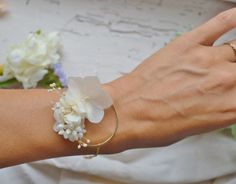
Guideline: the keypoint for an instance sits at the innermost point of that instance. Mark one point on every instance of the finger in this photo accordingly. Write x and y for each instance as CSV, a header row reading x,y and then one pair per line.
x,y
210,31
227,51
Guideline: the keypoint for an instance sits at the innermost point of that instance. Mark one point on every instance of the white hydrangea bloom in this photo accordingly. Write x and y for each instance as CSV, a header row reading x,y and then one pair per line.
x,y
83,99
28,62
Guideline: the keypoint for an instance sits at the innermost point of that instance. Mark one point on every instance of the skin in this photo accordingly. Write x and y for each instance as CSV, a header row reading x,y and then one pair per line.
x,y
184,89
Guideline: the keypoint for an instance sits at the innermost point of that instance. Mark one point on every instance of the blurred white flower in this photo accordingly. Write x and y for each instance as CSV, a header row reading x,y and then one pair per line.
x,y
29,61
84,99
2,7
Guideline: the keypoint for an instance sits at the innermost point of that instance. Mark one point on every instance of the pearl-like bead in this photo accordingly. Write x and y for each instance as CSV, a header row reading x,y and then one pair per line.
x,y
68,131
61,132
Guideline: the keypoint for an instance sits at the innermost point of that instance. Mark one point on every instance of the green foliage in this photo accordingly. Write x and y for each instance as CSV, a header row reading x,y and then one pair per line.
x,y
48,79
8,83
233,131
38,32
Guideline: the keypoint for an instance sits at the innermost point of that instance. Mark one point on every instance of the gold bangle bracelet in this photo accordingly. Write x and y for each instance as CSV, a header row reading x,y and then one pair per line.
x,y
99,145
70,119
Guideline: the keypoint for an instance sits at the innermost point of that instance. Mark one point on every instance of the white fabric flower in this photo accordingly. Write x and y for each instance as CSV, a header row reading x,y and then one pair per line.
x,y
29,61
84,99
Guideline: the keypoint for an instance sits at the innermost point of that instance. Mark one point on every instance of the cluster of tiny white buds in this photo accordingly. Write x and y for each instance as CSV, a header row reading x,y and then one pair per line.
x,y
53,87
83,144
71,112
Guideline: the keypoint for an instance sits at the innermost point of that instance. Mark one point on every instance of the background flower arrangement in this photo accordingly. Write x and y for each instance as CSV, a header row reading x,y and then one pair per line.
x,y
34,63
2,7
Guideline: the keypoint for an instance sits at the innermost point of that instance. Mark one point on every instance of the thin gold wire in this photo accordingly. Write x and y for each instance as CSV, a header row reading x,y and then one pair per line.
x,y
99,145
233,46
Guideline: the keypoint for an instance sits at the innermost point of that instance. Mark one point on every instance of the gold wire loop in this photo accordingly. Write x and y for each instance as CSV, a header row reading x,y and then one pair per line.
x,y
99,145
233,46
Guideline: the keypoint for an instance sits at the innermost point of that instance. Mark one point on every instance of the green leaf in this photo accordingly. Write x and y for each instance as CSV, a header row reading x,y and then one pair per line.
x,y
8,83
1,69
233,131
50,78
38,32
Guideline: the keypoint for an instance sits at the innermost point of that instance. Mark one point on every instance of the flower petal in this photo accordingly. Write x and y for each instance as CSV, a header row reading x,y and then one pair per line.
x,y
28,61
90,87
73,87
94,113
57,116
33,75
72,118
96,94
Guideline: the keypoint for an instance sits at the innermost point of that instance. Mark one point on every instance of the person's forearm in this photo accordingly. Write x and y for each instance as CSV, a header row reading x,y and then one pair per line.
x,y
26,122
182,90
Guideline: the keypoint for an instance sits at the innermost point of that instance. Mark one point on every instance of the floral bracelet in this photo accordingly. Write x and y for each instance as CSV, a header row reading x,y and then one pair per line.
x,y
84,99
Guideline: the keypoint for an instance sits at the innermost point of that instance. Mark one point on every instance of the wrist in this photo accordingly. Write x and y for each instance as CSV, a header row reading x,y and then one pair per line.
x,y
113,116
98,133
119,90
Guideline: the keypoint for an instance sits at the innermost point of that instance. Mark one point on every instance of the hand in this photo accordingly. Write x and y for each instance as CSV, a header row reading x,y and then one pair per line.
x,y
186,88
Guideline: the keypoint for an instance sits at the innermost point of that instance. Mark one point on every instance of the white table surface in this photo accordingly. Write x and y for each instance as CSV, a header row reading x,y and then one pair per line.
x,y
103,37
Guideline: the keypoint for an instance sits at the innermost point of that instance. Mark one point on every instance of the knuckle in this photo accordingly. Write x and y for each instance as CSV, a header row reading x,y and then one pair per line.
x,y
201,57
218,82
